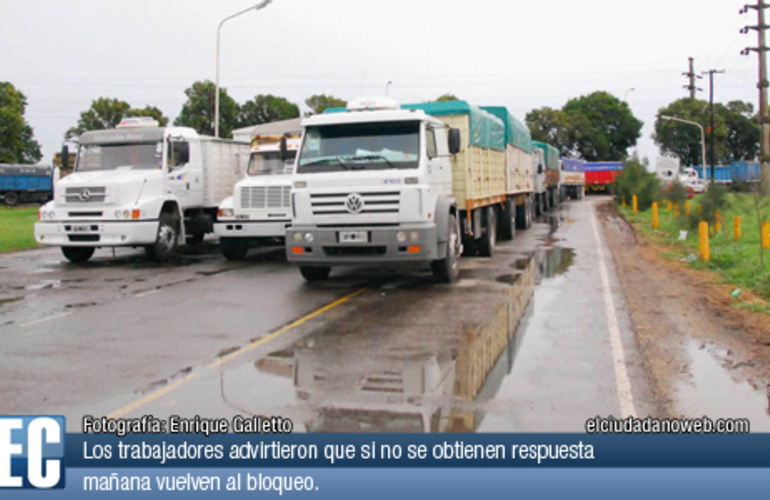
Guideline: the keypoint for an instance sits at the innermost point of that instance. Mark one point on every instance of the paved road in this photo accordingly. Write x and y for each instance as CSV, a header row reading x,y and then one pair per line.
x,y
534,339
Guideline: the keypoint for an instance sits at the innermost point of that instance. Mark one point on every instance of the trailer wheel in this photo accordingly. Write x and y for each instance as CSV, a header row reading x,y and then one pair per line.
x,y
78,255
509,221
11,198
524,215
314,274
447,270
233,248
166,241
489,238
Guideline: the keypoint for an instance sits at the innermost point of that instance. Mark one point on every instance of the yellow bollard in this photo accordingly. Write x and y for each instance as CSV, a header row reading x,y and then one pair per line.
x,y
676,210
623,202
717,221
737,224
655,220
635,201
766,235
700,210
687,208
668,207
703,233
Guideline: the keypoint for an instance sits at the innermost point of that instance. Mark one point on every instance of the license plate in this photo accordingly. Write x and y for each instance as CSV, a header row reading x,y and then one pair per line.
x,y
81,228
354,237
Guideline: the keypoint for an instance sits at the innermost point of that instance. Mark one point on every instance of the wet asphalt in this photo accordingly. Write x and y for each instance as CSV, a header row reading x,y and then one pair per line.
x,y
520,344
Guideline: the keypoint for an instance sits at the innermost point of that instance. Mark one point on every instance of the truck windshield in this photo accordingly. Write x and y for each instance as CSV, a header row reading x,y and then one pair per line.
x,y
269,163
139,156
360,146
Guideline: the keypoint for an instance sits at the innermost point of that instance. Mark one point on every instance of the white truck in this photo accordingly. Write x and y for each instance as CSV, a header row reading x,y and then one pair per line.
x,y
140,185
378,184
259,207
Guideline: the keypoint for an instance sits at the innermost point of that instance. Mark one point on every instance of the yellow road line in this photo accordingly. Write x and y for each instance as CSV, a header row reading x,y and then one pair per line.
x,y
226,359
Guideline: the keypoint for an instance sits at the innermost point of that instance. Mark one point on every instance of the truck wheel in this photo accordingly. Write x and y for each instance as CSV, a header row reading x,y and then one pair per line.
x,y
78,255
509,221
489,238
166,242
11,198
524,215
313,274
233,248
447,270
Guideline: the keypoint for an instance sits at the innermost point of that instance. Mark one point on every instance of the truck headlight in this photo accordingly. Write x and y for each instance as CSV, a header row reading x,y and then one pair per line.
x,y
414,236
297,237
226,212
401,236
309,237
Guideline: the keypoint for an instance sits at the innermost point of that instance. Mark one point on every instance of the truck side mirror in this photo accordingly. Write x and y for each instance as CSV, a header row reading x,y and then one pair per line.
x,y
65,157
455,144
282,146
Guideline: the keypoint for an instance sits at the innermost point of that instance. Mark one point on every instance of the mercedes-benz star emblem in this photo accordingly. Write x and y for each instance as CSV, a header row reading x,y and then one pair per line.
x,y
354,203
84,195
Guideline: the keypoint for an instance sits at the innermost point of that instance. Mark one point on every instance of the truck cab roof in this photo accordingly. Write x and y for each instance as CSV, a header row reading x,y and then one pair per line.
x,y
390,115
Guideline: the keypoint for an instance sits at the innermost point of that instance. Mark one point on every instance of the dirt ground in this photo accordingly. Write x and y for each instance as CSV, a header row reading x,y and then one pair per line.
x,y
678,311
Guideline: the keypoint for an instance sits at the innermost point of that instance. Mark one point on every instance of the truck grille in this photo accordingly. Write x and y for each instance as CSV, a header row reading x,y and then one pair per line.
x,y
372,203
265,197
85,194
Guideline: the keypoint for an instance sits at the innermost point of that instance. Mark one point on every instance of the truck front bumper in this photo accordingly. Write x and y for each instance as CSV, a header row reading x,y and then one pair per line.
x,y
418,245
96,233
251,229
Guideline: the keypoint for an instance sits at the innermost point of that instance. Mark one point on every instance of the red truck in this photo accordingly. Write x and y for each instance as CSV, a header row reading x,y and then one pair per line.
x,y
601,175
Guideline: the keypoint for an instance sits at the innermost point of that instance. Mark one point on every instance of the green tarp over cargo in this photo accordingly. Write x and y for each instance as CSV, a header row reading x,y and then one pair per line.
x,y
487,131
551,155
516,133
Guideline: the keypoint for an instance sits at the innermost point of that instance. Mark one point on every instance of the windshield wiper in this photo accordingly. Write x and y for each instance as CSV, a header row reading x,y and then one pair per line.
x,y
328,160
371,157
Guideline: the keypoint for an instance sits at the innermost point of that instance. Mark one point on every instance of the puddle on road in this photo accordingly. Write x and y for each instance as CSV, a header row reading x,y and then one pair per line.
x,y
713,392
45,284
401,373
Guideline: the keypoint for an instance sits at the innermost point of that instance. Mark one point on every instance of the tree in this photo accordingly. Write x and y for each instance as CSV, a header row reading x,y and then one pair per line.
x,y
683,140
320,102
198,110
151,112
603,126
17,143
104,113
742,140
265,109
447,97
551,126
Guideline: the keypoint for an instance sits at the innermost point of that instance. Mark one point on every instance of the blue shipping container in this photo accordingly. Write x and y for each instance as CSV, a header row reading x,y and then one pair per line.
x,y
723,174
745,172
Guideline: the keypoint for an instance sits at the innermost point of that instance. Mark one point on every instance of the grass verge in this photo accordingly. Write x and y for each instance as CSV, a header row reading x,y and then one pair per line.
x,y
736,260
16,228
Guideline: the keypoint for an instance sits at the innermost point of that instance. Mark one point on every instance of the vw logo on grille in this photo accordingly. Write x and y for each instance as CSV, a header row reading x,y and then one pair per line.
x,y
354,203
84,194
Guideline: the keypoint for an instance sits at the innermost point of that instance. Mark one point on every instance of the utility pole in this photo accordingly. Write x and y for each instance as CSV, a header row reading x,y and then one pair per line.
x,y
712,156
764,118
691,76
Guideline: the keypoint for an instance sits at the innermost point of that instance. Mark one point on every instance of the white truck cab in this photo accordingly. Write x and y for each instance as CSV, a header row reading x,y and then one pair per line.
x,y
259,207
373,185
140,185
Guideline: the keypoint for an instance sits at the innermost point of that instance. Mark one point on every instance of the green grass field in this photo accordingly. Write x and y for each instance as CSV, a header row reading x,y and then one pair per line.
x,y
736,260
16,228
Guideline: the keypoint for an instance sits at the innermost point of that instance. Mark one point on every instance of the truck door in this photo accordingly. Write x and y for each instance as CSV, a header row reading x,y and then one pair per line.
x,y
439,165
185,172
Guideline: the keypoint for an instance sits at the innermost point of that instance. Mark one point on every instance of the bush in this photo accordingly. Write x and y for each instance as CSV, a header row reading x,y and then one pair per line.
x,y
676,193
714,199
635,179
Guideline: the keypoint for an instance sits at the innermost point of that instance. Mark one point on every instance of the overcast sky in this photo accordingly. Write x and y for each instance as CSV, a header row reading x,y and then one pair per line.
x,y
523,54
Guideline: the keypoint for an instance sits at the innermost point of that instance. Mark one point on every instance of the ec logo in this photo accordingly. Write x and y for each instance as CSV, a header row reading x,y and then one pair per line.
x,y
32,452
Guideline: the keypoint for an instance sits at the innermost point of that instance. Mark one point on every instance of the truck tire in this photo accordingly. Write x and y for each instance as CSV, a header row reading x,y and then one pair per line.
x,y
11,198
166,241
447,270
489,238
524,214
78,255
233,248
313,274
509,221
